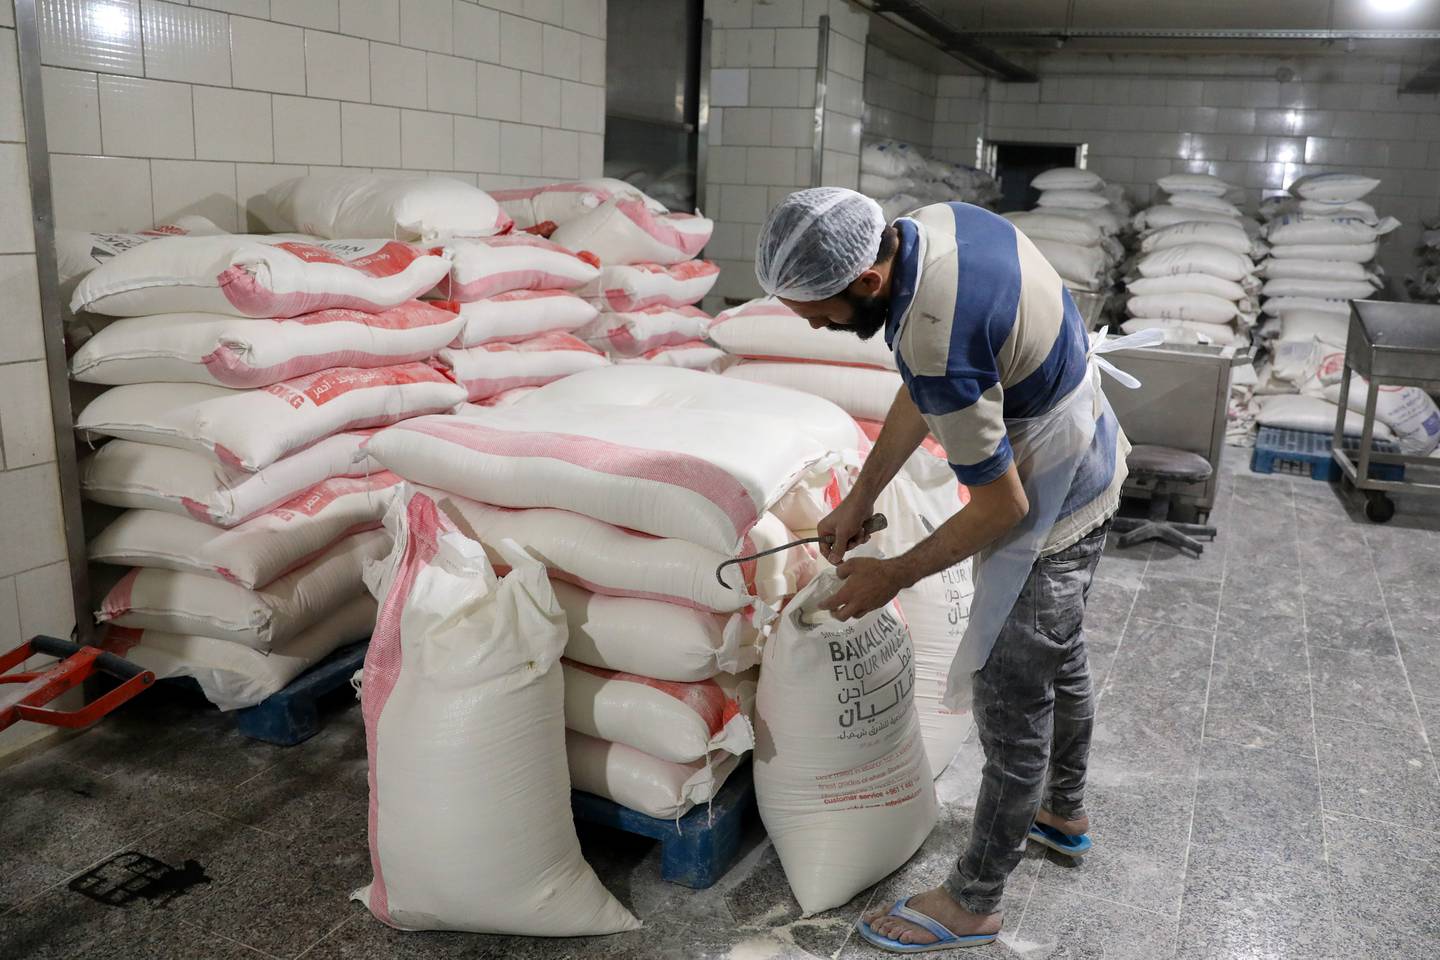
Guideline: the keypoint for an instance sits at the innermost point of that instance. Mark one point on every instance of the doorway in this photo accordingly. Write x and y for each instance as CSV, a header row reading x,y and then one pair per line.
x,y
1016,164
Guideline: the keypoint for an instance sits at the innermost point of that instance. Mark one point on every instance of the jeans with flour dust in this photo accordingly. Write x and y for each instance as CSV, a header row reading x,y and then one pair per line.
x,y
1034,709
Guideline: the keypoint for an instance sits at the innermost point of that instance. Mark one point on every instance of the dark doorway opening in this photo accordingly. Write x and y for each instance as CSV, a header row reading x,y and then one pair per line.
x,y
1016,164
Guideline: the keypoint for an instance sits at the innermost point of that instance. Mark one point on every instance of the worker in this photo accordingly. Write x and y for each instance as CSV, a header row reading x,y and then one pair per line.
x,y
996,364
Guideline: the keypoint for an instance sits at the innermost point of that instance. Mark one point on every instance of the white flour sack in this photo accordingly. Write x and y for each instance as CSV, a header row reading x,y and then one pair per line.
x,y
1323,289
1287,269
563,202
1201,307
78,252
636,286
635,779
1408,411
1205,201
766,329
1296,229
1355,209
1067,178
609,560
493,368
1073,199
1196,258
666,641
1038,225
634,333
1076,264
519,261
126,473
258,551
463,700
252,429
1279,306
520,315
1107,220
1323,326
369,205
841,776
693,475
1183,331
1167,215
1188,283
1294,412
1346,252
233,676
1193,183
1333,187
861,392
253,277
149,598
689,355
1228,236
627,231
244,352
679,722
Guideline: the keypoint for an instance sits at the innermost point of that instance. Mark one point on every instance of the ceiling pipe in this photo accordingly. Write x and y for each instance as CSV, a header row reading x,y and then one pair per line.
x,y
1161,33
956,43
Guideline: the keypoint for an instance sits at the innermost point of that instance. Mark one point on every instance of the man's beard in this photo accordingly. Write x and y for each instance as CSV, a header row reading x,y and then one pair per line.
x,y
867,317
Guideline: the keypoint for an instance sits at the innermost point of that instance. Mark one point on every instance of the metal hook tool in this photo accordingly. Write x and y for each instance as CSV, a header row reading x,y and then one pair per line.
x,y
873,525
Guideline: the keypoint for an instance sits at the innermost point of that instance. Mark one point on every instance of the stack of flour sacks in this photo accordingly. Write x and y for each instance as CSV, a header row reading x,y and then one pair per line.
x,y
1075,225
1193,275
900,178
244,375
648,279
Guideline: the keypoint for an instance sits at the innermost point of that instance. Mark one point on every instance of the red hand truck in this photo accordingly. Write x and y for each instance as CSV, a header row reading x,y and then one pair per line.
x,y
23,695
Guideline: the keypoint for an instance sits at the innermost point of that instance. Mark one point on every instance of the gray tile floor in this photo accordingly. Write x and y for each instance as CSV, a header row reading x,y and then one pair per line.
x,y
1261,787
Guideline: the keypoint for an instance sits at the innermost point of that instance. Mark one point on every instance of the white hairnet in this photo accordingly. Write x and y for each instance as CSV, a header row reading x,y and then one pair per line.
x,y
816,242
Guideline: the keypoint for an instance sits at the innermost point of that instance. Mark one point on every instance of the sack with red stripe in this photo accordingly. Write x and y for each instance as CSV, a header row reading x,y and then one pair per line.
x,y
519,261
626,230
426,209
635,779
617,562
766,329
78,252
635,333
691,355
470,825
561,202
245,352
233,676
695,475
636,286
493,368
144,476
244,276
678,722
520,315
251,429
863,392
171,601
261,549
504,398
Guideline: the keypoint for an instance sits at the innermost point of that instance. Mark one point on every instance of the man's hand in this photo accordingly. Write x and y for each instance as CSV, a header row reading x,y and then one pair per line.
x,y
869,584
843,529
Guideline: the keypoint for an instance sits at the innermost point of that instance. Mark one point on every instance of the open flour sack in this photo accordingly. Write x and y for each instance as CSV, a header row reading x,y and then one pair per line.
x,y
841,776
463,700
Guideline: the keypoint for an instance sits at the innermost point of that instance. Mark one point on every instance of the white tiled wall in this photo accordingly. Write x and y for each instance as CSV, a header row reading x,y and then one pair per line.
x,y
156,109
900,99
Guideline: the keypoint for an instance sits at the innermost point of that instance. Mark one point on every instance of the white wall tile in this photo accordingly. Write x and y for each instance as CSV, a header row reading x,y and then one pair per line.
x,y
337,67
95,193
246,8
232,125
427,140
10,635
498,91
21,336
747,127
778,13
519,148
548,11
372,19
451,82
540,100
792,128
102,35
316,14
729,13
477,32
427,24
560,52
770,166
251,182
796,47
477,144
759,47
727,164
592,60
743,204
30,530
12,121
561,154
26,430
730,87
267,56
397,76
520,43
186,44
585,16
46,604
146,118
306,130
369,135
592,154
179,187
72,110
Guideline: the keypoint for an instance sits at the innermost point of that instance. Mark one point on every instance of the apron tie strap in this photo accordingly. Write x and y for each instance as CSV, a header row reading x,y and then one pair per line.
x,y
1100,343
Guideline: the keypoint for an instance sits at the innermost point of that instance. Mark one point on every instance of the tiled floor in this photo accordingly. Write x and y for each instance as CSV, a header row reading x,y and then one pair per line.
x,y
1261,787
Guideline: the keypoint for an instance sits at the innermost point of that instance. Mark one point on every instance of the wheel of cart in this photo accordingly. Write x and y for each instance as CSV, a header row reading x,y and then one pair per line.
x,y
1379,508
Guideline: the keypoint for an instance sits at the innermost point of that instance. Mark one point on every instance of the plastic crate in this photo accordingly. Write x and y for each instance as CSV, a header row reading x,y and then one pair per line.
x,y
1304,453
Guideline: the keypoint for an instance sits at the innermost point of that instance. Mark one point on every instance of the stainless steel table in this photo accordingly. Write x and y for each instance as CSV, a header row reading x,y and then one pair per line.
x,y
1389,343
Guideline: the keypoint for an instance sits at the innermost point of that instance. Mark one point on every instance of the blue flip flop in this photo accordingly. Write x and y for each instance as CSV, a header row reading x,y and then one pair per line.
x,y
1071,846
945,940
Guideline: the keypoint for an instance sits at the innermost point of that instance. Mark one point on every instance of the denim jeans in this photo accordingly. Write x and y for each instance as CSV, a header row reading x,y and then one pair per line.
x,y
1034,710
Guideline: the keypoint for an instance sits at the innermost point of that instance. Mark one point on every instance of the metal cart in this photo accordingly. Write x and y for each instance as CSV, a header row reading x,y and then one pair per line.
x,y
1393,344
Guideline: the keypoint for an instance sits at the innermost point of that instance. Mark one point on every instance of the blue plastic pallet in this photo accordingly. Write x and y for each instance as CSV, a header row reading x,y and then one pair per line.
x,y
696,850
1305,453
292,715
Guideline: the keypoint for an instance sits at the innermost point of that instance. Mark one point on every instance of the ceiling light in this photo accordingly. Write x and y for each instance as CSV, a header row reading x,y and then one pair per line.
x,y
1391,6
